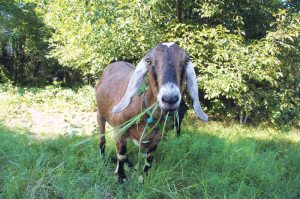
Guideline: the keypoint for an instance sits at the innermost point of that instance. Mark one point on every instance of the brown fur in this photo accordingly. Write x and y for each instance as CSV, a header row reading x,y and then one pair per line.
x,y
110,91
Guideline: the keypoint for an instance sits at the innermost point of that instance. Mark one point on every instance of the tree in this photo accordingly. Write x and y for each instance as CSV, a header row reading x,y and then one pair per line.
x,y
24,31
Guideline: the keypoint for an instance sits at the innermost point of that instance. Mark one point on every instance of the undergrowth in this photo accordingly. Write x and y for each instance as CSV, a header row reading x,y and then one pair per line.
x,y
52,97
48,111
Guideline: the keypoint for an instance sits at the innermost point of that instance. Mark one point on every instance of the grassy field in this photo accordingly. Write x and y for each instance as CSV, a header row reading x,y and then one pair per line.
x,y
212,160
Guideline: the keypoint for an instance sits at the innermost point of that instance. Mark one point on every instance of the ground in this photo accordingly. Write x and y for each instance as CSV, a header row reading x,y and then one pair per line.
x,y
49,149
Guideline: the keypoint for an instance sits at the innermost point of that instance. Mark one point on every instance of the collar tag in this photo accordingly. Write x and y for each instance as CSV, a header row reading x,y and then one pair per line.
x,y
150,120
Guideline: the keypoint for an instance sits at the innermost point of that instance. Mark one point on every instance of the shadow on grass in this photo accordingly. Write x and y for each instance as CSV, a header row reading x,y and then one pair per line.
x,y
196,165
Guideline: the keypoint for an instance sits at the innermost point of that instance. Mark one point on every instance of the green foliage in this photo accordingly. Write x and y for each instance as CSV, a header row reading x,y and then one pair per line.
x,y
23,30
53,97
257,79
246,52
3,76
89,35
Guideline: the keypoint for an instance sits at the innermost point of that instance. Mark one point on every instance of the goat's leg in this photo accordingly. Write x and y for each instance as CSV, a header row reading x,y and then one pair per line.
x,y
101,122
121,159
182,110
149,159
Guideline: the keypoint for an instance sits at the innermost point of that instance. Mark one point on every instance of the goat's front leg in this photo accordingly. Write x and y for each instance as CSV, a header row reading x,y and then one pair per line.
x,y
149,159
121,159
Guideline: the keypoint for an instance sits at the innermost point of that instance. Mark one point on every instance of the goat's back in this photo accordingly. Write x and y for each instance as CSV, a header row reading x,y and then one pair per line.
x,y
110,90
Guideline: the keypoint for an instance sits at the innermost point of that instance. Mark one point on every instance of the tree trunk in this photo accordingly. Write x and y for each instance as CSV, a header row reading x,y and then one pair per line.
x,y
179,11
19,60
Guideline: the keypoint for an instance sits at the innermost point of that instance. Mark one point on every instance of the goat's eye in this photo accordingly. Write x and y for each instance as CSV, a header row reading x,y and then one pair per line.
x,y
187,61
148,61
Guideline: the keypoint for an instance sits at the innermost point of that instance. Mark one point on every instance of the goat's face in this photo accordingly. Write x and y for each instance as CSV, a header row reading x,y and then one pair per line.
x,y
167,64
168,67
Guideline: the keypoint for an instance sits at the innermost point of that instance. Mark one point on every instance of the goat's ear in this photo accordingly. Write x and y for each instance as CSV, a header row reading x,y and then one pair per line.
x,y
135,82
193,90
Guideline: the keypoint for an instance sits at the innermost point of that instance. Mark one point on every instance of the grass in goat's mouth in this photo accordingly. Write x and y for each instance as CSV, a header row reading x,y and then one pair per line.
x,y
156,124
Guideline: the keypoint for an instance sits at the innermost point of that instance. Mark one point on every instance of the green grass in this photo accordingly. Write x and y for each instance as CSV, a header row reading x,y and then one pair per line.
x,y
207,161
212,160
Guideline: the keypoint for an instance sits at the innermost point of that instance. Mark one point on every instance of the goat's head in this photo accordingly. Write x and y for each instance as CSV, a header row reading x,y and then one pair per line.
x,y
168,67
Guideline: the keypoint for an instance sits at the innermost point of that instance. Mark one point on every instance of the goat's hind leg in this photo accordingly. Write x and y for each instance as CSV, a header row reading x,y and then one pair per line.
x,y
182,110
101,122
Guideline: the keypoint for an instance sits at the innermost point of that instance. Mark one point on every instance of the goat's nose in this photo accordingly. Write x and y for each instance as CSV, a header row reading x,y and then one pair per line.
x,y
170,99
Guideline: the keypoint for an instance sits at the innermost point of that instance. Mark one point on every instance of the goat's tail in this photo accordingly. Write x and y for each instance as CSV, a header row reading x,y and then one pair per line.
x,y
101,122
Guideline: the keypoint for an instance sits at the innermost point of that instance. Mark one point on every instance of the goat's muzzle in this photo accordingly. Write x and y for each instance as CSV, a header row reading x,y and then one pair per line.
x,y
169,97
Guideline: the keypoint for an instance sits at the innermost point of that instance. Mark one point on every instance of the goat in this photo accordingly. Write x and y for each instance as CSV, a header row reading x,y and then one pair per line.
x,y
168,68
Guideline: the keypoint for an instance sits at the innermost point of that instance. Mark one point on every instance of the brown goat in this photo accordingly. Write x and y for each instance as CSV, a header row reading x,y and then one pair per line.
x,y
168,68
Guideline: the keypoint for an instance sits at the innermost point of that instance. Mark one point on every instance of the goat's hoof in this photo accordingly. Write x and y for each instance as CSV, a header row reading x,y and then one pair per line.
x,y
122,179
129,163
121,176
102,156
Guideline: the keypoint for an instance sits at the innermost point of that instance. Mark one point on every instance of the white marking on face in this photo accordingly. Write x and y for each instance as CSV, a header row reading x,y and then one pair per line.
x,y
169,44
169,89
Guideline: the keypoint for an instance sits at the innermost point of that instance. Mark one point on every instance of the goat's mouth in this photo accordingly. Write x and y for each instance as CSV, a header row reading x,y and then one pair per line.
x,y
168,107
170,110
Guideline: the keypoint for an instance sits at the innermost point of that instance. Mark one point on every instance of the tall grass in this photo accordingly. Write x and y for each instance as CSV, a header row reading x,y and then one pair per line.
x,y
211,160
207,161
